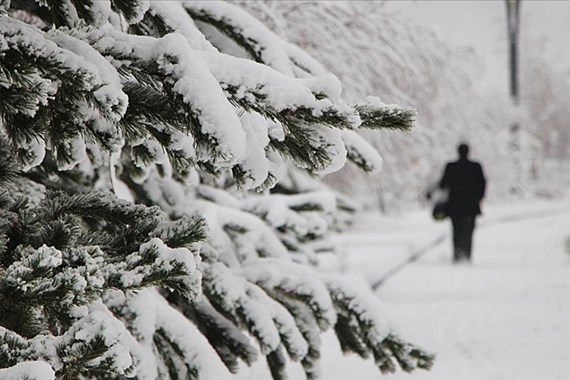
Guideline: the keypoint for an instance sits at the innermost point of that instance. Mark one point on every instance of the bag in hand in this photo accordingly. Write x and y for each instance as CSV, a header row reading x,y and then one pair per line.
x,y
440,210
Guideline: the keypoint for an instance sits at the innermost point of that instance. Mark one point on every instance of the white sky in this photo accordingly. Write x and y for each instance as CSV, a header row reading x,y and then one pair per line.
x,y
482,25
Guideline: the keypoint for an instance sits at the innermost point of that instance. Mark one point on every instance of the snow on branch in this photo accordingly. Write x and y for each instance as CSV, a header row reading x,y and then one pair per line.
x,y
110,346
302,221
54,291
227,339
187,80
238,235
4,5
233,296
37,113
133,10
362,328
155,263
375,114
31,370
361,152
172,17
295,281
159,327
275,95
263,45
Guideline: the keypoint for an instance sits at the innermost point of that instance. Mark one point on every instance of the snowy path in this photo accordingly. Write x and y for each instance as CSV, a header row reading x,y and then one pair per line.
x,y
505,317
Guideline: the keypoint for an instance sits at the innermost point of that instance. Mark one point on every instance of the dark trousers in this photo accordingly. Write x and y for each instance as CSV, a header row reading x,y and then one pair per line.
x,y
463,226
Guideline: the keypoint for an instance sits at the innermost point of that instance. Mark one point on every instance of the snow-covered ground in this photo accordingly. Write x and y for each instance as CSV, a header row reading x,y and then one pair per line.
x,y
505,317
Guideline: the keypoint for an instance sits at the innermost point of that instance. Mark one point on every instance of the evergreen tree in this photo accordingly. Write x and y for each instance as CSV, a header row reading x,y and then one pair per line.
x,y
160,216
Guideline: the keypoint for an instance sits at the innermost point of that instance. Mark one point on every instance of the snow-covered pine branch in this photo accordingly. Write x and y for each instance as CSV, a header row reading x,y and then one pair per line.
x,y
262,45
53,98
32,370
58,259
255,38
362,328
192,273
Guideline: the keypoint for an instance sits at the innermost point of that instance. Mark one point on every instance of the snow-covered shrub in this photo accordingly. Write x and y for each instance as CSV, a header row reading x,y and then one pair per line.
x,y
157,220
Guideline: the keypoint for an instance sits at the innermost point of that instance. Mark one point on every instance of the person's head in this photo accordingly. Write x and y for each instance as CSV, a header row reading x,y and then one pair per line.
x,y
463,150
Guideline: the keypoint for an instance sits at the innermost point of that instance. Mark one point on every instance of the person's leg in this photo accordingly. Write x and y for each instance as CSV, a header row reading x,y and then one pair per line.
x,y
456,227
469,228
462,238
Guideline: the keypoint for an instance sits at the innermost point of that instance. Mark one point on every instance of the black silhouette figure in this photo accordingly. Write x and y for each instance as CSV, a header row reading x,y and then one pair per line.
x,y
465,182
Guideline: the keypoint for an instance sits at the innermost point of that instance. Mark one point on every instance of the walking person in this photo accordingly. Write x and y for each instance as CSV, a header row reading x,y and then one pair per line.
x,y
465,182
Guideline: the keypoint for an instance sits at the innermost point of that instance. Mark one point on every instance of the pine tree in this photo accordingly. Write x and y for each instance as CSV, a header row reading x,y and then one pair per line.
x,y
160,213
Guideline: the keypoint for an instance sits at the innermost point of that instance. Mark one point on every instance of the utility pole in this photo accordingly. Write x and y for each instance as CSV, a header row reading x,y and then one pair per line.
x,y
513,25
513,22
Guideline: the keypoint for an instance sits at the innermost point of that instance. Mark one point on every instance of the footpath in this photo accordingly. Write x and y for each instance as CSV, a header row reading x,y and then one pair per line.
x,y
506,316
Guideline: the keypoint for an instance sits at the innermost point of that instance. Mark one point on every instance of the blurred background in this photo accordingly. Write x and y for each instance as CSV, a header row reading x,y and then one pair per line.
x,y
450,60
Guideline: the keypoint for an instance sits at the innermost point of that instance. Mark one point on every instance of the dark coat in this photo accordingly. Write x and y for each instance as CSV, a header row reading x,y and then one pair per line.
x,y
466,184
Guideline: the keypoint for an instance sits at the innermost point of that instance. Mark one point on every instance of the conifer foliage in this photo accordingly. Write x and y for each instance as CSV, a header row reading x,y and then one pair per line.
x,y
159,215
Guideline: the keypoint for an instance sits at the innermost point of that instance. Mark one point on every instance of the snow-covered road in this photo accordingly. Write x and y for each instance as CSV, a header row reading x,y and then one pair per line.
x,y
504,317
